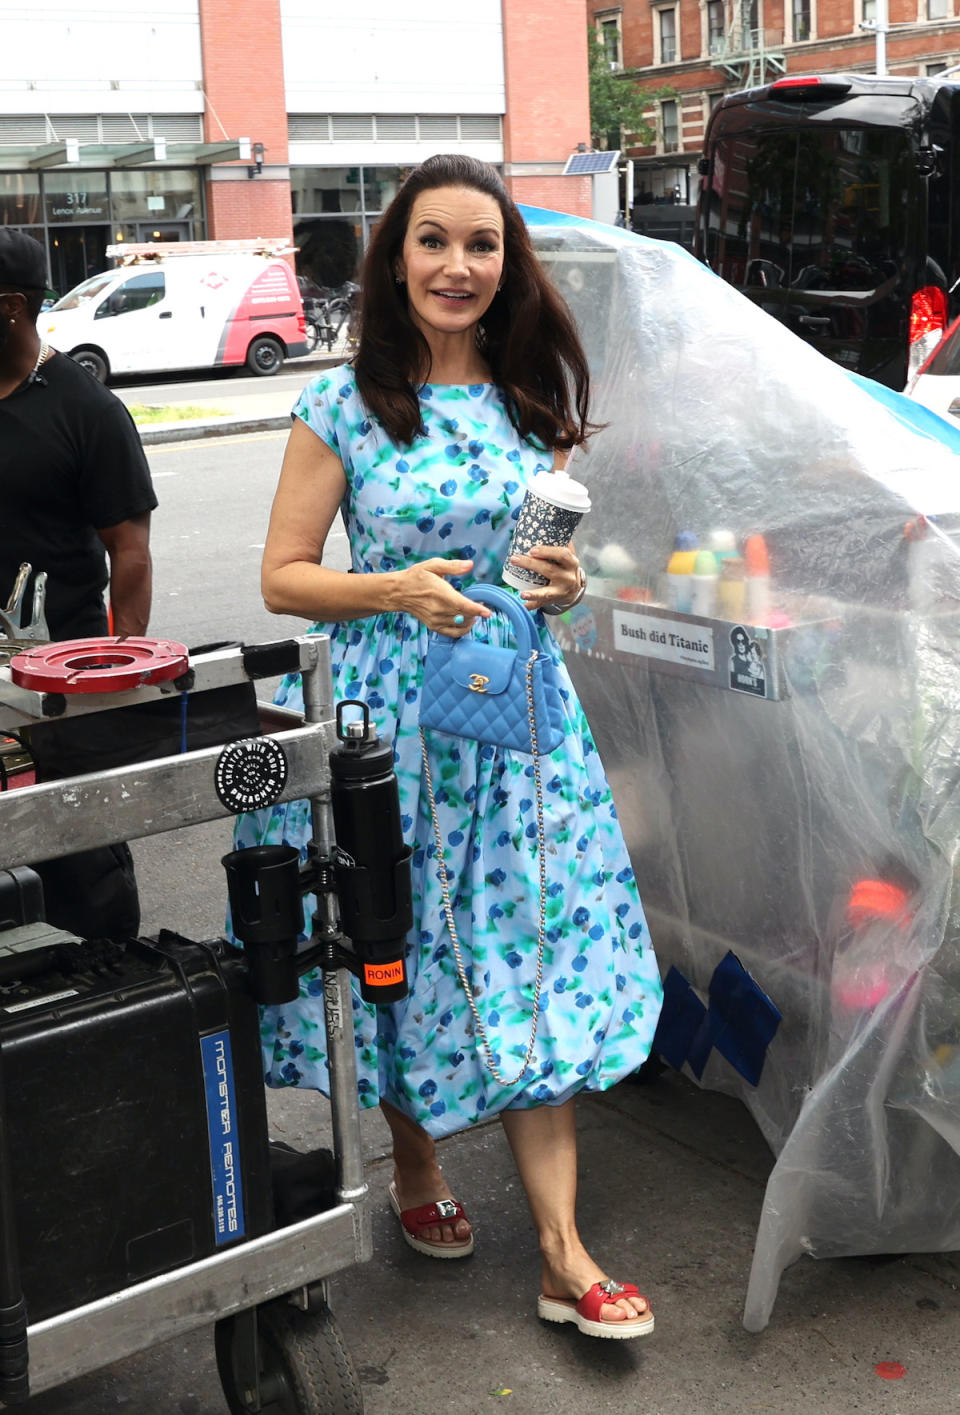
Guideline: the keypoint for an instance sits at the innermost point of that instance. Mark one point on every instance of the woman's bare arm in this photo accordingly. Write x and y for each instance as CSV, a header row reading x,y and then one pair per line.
x,y
294,579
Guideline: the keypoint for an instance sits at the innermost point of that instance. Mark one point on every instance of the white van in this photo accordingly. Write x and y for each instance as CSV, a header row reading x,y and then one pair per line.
x,y
195,304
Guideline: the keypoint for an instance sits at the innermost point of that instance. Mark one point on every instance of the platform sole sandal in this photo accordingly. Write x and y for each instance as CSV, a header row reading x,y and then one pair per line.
x,y
586,1313
413,1220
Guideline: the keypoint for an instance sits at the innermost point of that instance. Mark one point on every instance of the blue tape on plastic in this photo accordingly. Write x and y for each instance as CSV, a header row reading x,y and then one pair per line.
x,y
740,1022
741,1019
681,1017
919,419
225,1174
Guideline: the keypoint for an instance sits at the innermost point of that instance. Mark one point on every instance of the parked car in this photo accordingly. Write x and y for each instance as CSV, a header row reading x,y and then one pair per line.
x,y
937,383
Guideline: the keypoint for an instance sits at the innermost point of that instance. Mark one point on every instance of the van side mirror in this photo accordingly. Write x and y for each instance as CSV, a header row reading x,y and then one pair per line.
x,y
705,166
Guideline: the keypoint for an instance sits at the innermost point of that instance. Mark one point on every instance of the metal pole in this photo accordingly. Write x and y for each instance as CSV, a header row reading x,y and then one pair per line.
x,y
337,993
14,1380
882,27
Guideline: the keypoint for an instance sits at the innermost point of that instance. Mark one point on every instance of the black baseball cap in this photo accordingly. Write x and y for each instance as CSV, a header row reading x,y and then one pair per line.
x,y
23,261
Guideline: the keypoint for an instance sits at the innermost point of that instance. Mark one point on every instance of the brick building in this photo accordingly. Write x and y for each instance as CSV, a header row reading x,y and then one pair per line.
x,y
702,49
222,119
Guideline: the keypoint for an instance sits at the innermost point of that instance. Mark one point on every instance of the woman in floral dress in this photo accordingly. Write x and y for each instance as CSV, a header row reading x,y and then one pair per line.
x,y
468,380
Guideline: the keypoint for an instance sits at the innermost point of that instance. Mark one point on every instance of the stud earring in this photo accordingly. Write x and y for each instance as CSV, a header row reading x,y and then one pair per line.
x,y
398,280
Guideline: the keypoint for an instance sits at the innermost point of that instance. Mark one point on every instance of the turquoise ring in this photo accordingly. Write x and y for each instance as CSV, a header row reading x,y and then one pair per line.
x,y
458,620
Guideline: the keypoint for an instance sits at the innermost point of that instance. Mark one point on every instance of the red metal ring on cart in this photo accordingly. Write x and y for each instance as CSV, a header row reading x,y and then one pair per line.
x,y
98,665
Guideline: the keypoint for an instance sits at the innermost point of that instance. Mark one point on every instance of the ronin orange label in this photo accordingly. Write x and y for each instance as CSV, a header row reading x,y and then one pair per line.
x,y
383,975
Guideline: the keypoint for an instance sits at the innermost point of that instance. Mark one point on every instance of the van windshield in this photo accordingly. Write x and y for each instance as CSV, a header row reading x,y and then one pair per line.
x,y
810,208
89,290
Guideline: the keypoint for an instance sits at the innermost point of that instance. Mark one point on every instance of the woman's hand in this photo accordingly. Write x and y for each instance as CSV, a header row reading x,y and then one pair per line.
x,y
560,565
423,592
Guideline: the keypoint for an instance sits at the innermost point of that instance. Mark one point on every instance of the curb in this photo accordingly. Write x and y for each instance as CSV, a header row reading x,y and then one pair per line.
x,y
190,432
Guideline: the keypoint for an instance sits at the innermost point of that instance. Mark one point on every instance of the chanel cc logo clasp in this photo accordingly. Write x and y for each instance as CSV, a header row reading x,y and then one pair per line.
x,y
478,682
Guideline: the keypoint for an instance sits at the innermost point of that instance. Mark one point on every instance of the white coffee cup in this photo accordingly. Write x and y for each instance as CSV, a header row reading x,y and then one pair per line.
x,y
552,509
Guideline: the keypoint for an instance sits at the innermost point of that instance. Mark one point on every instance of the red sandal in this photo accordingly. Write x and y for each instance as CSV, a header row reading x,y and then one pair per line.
x,y
586,1312
443,1211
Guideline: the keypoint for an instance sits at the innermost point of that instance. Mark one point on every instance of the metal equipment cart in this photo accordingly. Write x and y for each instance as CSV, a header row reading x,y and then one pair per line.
x,y
278,1349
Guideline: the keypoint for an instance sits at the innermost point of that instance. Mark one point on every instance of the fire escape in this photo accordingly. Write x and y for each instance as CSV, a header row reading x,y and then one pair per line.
x,y
749,54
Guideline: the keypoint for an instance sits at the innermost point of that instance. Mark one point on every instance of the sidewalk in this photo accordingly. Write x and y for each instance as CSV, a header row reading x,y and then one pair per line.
x,y
264,407
672,1180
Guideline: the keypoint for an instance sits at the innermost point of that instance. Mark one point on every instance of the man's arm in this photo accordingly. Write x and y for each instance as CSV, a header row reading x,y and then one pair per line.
x,y
131,580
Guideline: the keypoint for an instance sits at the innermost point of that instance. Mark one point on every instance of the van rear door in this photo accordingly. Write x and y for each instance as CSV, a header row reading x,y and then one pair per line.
x,y
817,219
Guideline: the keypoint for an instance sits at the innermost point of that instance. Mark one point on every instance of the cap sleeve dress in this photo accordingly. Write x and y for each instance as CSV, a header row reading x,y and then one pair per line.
x,y
456,492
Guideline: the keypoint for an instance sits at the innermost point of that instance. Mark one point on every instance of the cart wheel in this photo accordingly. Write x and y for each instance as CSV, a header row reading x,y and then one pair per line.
x,y
304,1366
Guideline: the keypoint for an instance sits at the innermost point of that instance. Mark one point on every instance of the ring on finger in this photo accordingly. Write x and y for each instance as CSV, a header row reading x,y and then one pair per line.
x,y
458,620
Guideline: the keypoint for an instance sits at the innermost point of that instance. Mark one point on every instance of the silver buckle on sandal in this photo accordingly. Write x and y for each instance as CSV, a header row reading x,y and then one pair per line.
x,y
611,1288
446,1208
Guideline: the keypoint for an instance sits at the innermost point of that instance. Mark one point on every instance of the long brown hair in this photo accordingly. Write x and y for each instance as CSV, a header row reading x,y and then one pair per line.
x,y
529,338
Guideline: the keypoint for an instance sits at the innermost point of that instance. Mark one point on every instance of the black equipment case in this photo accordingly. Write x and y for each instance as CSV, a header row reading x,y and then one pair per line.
x,y
136,1112
140,1196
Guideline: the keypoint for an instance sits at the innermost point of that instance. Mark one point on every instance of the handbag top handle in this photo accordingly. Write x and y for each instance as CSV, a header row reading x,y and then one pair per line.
x,y
506,601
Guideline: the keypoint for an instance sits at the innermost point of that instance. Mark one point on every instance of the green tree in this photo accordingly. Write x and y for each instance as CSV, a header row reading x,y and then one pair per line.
x,y
617,104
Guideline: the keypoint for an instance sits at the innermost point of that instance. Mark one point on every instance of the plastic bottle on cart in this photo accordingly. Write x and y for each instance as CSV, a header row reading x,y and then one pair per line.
x,y
757,566
679,572
732,589
703,584
724,546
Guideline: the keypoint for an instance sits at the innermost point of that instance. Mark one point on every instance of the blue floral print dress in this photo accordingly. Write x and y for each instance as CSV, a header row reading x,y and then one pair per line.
x,y
456,492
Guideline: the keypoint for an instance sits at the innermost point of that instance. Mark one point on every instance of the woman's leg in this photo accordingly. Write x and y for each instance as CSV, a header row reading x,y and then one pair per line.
x,y
544,1145
418,1176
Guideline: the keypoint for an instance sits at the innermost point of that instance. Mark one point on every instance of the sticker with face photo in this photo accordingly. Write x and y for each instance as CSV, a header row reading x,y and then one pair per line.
x,y
748,672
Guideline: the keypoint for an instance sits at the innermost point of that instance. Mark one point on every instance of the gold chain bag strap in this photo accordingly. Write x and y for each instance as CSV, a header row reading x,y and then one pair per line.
x,y
448,905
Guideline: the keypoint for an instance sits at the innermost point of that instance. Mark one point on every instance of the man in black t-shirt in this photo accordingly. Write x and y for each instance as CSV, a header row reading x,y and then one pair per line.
x,y
75,489
74,482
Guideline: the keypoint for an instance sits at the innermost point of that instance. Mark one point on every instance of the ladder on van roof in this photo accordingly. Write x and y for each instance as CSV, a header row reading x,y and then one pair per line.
x,y
134,253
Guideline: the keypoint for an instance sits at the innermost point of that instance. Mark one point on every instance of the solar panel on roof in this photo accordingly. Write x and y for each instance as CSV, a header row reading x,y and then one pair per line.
x,y
580,164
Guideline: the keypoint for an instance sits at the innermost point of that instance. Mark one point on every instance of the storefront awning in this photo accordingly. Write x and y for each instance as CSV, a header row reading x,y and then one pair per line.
x,y
154,152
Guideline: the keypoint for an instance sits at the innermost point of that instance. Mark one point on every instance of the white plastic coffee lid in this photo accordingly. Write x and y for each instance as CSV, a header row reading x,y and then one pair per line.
x,y
560,490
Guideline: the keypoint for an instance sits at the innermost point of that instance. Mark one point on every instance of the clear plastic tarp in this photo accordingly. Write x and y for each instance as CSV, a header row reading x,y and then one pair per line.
x,y
778,709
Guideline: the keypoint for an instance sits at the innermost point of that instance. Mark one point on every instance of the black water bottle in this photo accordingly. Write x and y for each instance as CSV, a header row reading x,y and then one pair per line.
x,y
372,864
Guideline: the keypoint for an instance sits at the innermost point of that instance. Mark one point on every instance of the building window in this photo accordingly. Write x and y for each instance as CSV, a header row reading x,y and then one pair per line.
x,y
869,11
334,211
152,196
932,70
667,33
610,34
715,26
670,123
800,12
938,9
20,203
712,100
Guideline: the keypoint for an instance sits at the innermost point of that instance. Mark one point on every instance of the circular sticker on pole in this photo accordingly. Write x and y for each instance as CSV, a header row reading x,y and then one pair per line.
x,y
250,774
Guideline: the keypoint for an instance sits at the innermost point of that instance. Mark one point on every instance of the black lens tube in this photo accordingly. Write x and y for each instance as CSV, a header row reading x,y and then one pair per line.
x,y
266,910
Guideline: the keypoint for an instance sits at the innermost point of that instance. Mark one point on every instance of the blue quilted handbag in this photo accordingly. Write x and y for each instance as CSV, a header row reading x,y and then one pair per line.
x,y
489,694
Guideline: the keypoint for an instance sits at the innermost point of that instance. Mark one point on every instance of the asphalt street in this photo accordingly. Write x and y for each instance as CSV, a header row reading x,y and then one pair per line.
x,y
672,1176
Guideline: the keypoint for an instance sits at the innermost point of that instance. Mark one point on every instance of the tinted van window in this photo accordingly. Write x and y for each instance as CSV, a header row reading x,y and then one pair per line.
x,y
812,209
137,293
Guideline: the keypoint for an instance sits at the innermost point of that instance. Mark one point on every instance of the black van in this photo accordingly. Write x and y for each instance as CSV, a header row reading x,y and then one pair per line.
x,y
831,201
